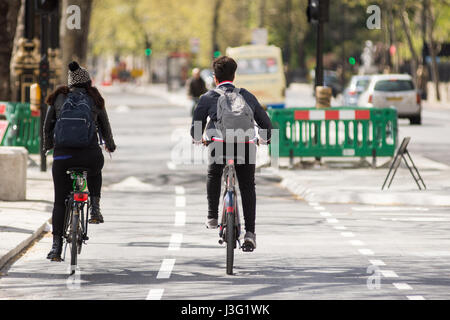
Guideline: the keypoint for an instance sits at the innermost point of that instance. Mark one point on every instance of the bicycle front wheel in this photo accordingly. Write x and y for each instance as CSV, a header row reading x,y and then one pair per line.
x,y
231,242
74,243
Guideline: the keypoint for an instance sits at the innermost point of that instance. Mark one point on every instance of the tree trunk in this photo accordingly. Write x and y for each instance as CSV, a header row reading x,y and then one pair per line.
x,y
262,13
9,11
432,48
74,42
407,29
215,26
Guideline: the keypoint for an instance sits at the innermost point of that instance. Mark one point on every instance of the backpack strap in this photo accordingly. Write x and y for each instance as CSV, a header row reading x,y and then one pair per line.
x,y
219,91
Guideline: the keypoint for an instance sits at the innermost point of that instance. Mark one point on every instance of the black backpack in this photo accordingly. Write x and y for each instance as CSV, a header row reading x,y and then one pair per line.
x,y
75,126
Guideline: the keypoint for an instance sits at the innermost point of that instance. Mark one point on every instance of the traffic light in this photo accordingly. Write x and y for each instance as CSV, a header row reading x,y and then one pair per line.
x,y
148,48
318,10
46,6
313,11
216,53
44,74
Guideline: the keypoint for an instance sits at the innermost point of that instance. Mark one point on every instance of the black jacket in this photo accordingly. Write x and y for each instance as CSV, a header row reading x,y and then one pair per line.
x,y
197,87
99,115
207,107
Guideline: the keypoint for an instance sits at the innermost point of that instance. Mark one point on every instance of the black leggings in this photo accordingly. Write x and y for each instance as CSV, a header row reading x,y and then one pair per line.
x,y
91,159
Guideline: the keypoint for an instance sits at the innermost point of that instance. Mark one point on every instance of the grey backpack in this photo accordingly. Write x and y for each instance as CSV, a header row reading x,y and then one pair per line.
x,y
235,118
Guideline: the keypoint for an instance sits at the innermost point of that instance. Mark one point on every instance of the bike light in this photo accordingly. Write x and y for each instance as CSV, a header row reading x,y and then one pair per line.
x,y
80,197
370,99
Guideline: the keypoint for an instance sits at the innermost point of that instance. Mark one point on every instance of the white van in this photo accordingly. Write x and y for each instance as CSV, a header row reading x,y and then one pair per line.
x,y
260,71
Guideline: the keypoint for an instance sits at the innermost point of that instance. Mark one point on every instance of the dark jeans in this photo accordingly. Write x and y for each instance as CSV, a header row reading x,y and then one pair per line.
x,y
91,159
246,179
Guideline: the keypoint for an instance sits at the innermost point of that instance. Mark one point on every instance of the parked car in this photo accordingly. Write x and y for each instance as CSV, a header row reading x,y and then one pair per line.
x,y
394,90
331,80
357,85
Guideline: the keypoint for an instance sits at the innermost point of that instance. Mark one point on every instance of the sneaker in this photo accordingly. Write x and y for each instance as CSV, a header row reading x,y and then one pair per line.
x,y
212,223
249,242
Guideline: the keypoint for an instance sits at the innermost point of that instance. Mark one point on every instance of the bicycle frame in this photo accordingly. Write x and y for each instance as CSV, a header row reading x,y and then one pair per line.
x,y
77,207
230,201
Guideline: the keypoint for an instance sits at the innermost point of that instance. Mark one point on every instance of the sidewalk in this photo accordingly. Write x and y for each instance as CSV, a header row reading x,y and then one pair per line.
x,y
338,182
22,222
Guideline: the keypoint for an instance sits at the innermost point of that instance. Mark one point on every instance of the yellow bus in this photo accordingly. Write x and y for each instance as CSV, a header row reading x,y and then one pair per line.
x,y
260,71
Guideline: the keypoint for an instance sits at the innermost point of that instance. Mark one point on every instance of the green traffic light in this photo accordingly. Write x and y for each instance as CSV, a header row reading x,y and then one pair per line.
x,y
352,61
217,54
148,52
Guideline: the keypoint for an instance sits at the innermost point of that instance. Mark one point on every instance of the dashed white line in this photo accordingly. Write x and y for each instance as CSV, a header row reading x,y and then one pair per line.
x,y
377,262
402,286
180,218
415,297
175,241
325,214
340,227
172,166
332,220
388,274
313,204
155,294
366,252
180,201
319,208
356,243
347,234
166,269
179,190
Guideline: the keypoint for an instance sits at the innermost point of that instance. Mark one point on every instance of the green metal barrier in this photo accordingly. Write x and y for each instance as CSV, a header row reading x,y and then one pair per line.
x,y
23,130
335,132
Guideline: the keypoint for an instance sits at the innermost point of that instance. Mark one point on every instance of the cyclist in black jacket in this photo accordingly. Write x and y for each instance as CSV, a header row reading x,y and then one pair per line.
x,y
90,158
224,74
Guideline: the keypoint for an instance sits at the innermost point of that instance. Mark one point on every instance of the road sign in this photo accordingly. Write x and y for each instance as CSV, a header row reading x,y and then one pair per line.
x,y
260,36
3,127
195,45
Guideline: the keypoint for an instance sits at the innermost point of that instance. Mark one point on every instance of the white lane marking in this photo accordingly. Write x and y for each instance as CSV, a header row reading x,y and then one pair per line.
x,y
366,252
313,204
155,294
389,274
166,269
179,190
428,219
340,227
402,286
172,166
325,214
180,218
377,262
384,209
347,234
180,201
415,297
332,220
175,241
356,243
319,208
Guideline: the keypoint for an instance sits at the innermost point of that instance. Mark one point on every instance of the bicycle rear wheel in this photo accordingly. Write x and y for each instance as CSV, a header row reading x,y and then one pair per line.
x,y
231,241
74,243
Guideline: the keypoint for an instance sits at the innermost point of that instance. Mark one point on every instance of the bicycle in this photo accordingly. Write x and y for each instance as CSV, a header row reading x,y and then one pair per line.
x,y
230,226
76,216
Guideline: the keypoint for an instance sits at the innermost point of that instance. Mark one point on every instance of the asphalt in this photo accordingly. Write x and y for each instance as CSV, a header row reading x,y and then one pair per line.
x,y
332,184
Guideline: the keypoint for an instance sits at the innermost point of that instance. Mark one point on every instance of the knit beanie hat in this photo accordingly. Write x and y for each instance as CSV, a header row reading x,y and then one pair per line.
x,y
77,75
